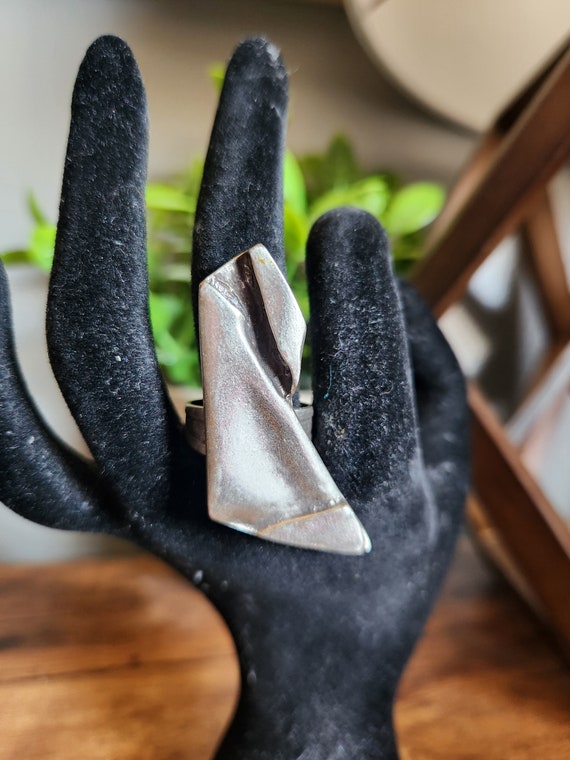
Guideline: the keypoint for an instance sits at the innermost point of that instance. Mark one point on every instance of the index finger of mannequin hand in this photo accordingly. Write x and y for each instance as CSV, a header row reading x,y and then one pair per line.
x,y
364,426
40,479
241,196
441,403
99,334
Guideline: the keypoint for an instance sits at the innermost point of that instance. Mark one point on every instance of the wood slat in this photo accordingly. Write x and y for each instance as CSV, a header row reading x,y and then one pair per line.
x,y
537,537
530,153
543,247
503,186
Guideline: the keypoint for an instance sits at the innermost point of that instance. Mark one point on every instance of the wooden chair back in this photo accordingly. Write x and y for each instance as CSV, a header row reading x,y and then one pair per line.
x,y
503,189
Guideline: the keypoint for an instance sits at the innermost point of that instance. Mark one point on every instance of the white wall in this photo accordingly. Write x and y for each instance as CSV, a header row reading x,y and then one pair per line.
x,y
333,87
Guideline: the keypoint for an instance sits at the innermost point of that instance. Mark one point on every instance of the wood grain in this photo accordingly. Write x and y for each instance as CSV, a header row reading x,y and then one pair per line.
x,y
502,188
116,659
121,660
485,682
535,534
548,263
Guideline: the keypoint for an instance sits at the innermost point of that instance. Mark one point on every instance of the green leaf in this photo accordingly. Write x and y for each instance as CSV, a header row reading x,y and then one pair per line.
x,y
408,247
413,207
176,272
33,207
175,341
403,267
164,309
42,244
192,178
186,370
370,194
341,163
15,257
217,72
168,350
294,190
315,175
299,288
312,185
337,167
296,231
168,198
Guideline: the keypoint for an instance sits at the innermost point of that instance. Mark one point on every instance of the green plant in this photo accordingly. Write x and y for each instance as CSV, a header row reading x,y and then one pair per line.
x,y
312,185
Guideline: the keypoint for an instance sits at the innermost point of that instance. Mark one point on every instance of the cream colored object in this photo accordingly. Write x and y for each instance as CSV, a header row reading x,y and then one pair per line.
x,y
463,59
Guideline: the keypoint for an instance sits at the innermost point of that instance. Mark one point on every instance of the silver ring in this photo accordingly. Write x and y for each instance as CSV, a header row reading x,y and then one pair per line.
x,y
196,428
264,476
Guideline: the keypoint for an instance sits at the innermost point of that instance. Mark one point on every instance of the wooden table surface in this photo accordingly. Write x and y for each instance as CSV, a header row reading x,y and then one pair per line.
x,y
120,659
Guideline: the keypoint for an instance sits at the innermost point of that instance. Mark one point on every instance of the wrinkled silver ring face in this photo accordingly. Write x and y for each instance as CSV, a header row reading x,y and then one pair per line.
x,y
264,475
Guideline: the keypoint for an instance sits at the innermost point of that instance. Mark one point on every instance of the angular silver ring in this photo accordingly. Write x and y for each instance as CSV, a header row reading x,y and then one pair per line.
x,y
264,475
196,428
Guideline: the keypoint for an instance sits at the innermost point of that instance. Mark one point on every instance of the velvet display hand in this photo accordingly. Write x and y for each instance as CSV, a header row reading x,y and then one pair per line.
x,y
322,638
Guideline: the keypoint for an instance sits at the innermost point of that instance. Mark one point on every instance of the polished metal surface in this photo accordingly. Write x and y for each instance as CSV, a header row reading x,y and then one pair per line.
x,y
265,477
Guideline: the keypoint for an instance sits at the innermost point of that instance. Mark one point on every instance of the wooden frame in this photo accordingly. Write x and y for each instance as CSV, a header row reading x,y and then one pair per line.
x,y
504,188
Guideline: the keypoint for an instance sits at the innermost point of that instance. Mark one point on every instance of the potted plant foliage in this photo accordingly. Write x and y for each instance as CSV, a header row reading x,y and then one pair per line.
x,y
313,184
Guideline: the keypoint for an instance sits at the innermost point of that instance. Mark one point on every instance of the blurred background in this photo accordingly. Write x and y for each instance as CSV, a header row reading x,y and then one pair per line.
x,y
410,89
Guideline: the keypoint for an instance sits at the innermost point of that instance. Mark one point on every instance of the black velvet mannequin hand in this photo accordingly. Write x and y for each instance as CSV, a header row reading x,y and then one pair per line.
x,y
322,638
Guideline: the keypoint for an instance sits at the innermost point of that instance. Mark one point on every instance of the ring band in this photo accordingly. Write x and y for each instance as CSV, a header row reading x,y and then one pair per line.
x,y
196,429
